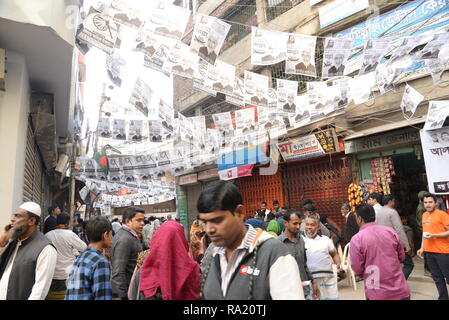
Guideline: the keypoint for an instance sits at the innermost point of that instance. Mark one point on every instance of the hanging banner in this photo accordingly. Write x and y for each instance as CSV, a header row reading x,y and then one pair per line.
x,y
410,102
267,46
435,145
208,37
104,127
125,15
253,155
300,57
309,146
226,78
237,172
437,114
168,20
286,95
301,116
373,52
336,54
256,89
141,97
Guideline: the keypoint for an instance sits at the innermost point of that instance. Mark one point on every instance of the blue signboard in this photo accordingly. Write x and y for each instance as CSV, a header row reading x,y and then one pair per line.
x,y
414,14
414,18
241,157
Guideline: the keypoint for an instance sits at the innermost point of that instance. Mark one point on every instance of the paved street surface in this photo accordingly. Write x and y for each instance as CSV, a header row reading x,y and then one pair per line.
x,y
422,287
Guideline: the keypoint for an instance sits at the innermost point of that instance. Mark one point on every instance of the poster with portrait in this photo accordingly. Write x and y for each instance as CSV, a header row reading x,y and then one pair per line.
x,y
115,68
224,124
374,51
186,130
286,94
343,97
271,122
208,37
204,76
336,54
256,89
118,129
267,46
436,68
128,170
317,99
435,145
432,50
182,60
225,78
437,114
386,74
300,57
115,169
237,97
167,20
141,97
160,57
245,120
410,101
135,130
146,42
301,117
402,47
99,30
104,128
361,87
126,15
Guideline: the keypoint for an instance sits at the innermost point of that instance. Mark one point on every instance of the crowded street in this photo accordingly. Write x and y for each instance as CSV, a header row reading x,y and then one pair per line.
x,y
215,150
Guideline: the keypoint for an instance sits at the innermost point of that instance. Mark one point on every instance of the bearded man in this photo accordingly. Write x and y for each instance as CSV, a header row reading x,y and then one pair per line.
x,y
28,262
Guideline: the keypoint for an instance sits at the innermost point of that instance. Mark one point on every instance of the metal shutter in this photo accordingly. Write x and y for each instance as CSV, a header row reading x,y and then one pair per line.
x,y
324,181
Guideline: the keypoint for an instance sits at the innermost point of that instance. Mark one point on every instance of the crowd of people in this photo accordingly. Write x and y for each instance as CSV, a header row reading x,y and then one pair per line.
x,y
279,253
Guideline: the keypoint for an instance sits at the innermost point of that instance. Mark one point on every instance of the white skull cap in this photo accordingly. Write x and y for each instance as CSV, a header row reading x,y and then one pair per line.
x,y
31,207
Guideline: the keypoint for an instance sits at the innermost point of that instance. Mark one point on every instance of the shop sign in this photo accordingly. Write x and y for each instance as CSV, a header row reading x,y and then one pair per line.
x,y
340,9
309,146
208,174
181,198
413,18
435,145
388,140
236,172
188,179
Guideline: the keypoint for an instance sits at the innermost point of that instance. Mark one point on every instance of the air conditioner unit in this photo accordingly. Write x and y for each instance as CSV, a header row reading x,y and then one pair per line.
x,y
63,162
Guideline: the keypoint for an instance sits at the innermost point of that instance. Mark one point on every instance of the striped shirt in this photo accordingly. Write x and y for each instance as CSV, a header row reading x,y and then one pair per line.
x,y
90,277
229,267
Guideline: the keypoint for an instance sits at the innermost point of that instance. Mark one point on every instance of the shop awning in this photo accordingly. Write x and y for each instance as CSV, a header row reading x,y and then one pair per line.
x,y
387,127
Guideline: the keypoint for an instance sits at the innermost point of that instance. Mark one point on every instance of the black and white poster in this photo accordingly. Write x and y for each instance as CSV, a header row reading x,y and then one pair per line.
x,y
436,68
373,52
435,145
271,121
128,170
410,101
286,93
126,15
119,129
135,130
168,20
115,169
104,128
160,57
245,120
437,114
336,54
115,66
204,76
256,89
433,48
402,47
317,99
361,87
208,37
301,116
100,30
267,46
181,60
238,93
146,42
226,78
343,98
300,58
141,96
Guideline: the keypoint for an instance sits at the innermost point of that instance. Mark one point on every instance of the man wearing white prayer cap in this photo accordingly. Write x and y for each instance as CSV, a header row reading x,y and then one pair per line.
x,y
27,257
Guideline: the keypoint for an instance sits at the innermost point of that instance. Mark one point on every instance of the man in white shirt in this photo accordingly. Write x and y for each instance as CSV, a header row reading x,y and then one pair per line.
x,y
27,258
375,200
68,246
321,254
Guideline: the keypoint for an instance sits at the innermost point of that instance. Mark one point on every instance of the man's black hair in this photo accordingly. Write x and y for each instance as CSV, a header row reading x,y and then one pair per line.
x,y
376,196
115,220
275,202
263,202
219,195
287,216
51,208
96,227
305,202
284,208
35,216
366,212
63,218
346,205
261,214
429,195
131,212
386,199
309,207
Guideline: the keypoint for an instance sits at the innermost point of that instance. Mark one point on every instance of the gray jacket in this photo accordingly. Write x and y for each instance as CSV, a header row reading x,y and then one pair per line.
x,y
299,253
125,249
389,217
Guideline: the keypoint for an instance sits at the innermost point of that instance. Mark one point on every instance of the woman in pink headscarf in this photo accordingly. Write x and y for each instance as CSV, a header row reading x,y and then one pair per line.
x,y
168,273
